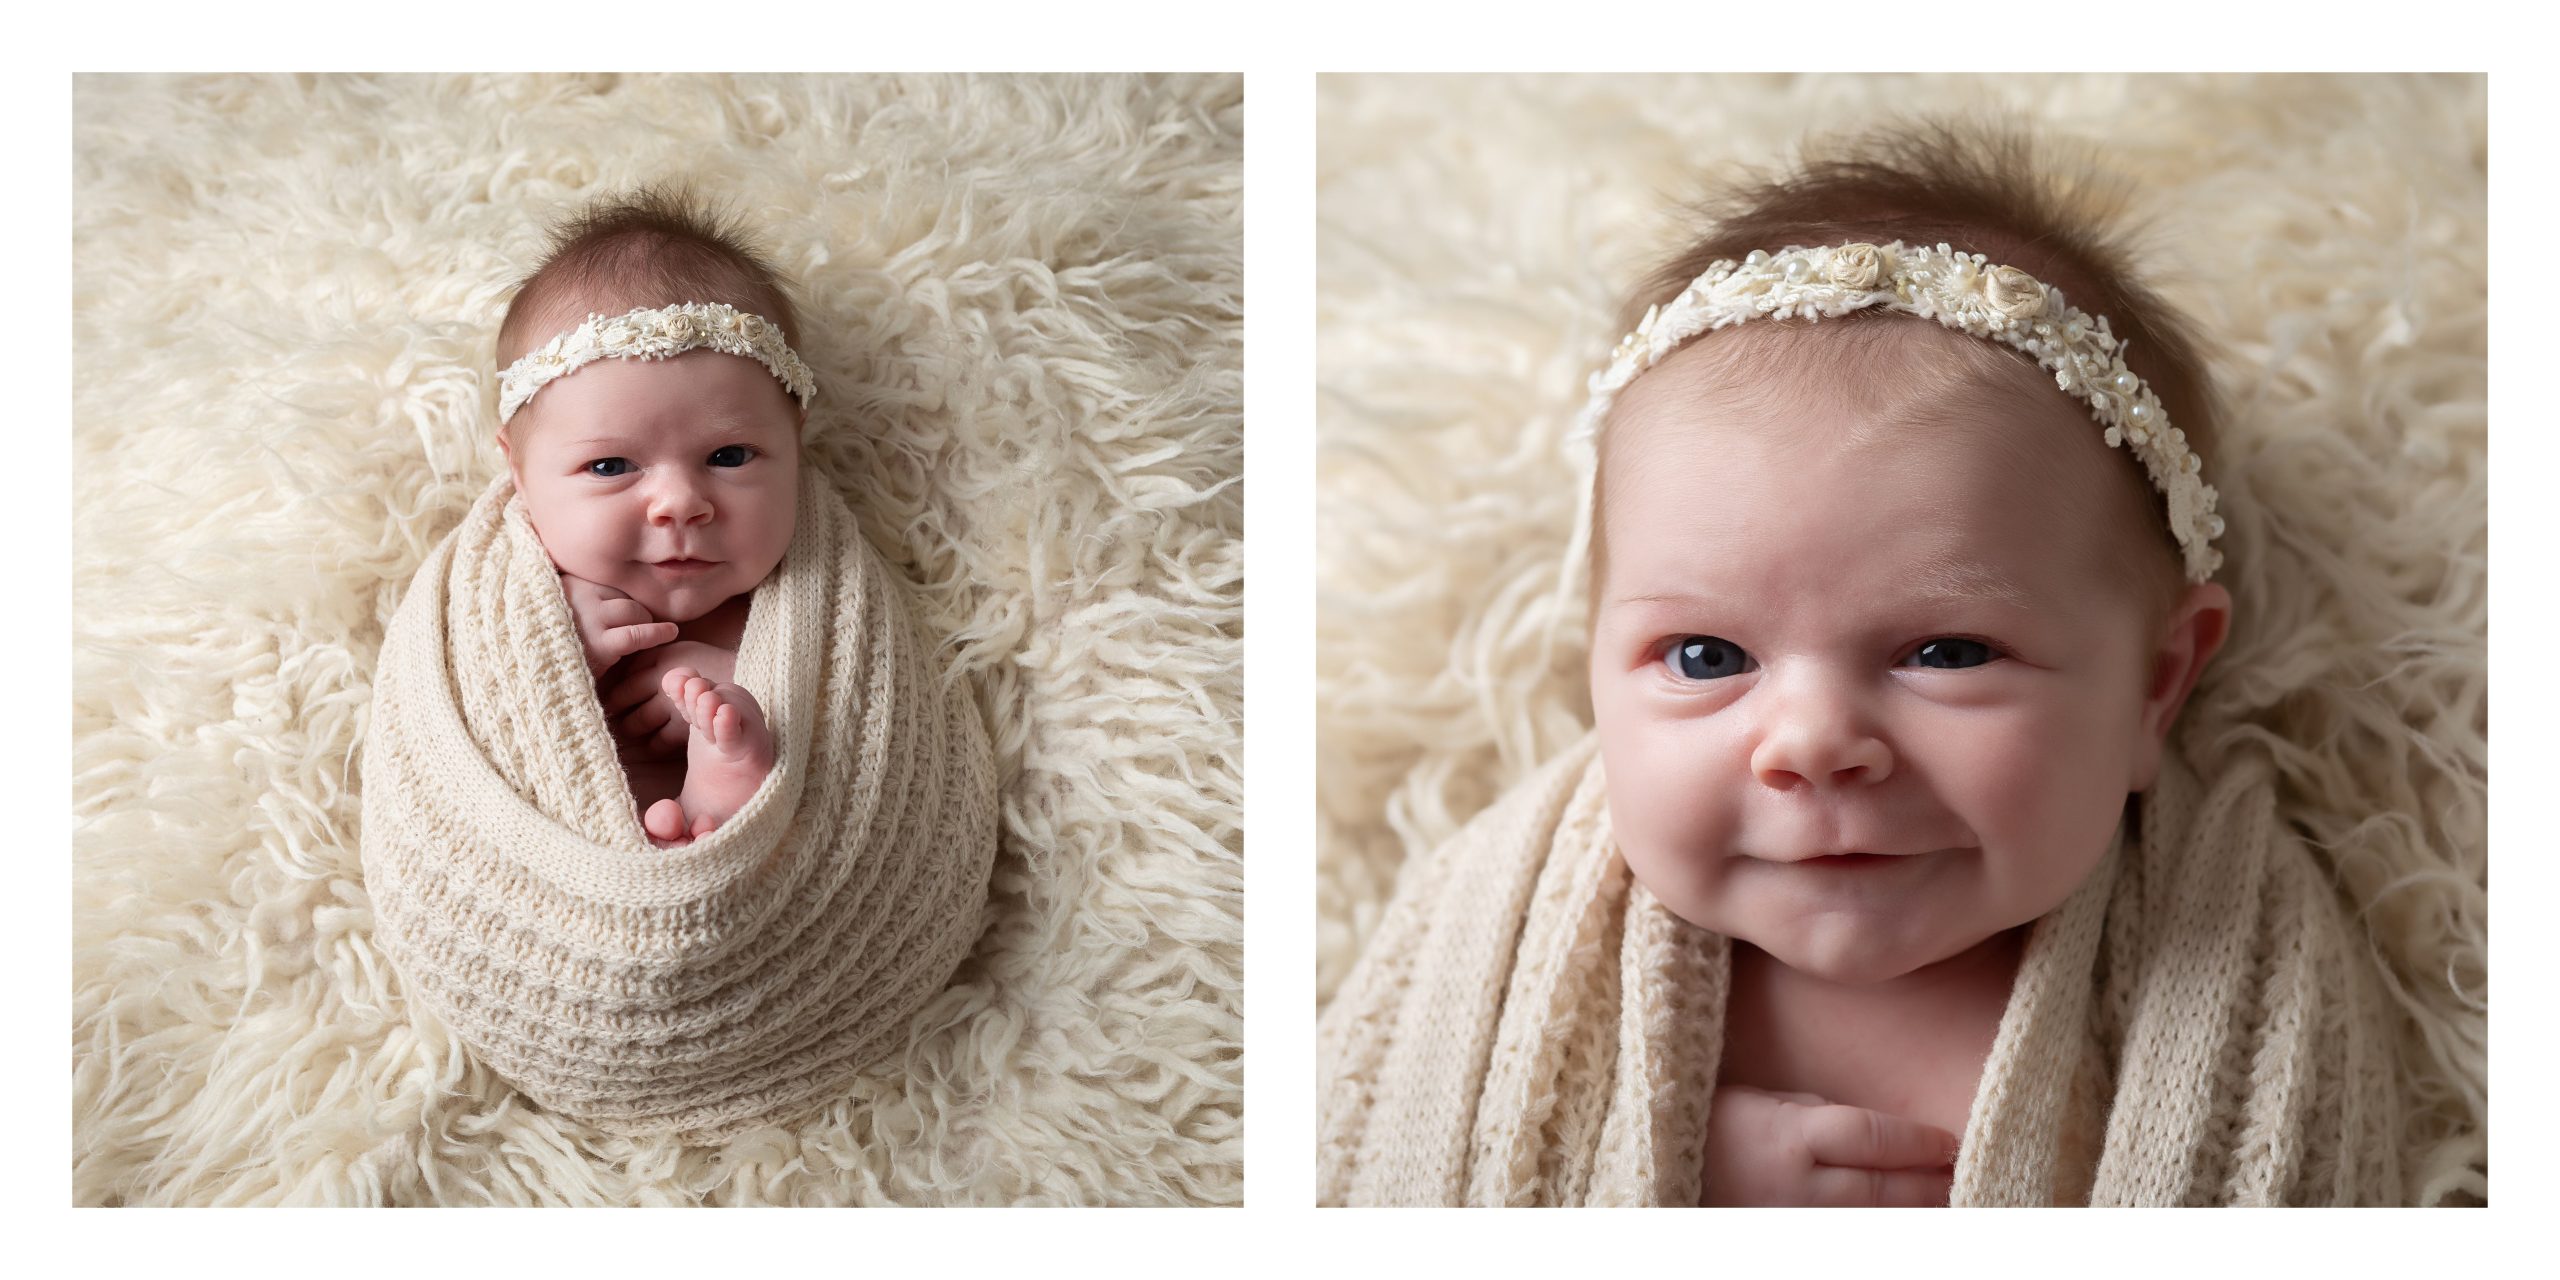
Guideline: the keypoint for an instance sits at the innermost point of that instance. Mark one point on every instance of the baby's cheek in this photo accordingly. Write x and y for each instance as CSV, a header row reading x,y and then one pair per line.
x,y
1691,883
1671,826
2034,788
2002,769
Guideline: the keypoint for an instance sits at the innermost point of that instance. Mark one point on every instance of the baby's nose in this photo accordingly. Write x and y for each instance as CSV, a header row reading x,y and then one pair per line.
x,y
679,500
1820,739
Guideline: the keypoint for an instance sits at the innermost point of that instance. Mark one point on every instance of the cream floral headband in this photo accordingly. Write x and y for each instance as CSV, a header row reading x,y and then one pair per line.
x,y
1958,290
655,334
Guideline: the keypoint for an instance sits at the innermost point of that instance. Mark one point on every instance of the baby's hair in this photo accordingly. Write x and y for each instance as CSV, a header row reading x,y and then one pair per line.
x,y
1979,188
655,246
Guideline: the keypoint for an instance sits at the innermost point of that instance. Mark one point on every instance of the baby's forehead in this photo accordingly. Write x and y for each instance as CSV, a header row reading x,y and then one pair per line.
x,y
1831,412
1903,385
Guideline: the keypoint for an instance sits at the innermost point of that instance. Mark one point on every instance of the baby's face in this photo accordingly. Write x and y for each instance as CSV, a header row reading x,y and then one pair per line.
x,y
675,481
1806,645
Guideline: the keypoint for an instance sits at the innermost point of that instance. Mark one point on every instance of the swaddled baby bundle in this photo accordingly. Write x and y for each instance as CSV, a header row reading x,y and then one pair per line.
x,y
2201,1022
696,990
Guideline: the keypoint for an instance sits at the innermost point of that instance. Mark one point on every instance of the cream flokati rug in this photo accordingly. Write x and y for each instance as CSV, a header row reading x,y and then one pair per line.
x,y
1023,300
1477,235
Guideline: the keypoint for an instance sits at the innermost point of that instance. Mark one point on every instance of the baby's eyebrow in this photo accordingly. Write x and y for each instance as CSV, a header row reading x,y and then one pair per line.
x,y
1940,580
614,442
1952,579
712,427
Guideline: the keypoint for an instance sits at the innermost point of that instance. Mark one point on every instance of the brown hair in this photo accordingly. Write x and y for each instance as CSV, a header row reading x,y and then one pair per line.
x,y
1978,187
655,246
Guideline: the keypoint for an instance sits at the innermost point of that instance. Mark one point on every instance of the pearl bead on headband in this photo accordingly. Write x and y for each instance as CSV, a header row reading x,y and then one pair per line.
x,y
649,333
1958,290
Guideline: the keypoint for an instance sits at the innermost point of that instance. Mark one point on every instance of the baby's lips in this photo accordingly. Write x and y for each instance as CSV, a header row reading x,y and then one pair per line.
x,y
685,565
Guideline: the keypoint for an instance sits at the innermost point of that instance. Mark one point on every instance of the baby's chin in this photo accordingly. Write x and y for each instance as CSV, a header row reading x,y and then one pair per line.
x,y
686,601
1850,966
1844,952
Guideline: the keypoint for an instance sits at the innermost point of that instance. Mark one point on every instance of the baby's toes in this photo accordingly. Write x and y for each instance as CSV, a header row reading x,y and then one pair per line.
x,y
711,701
696,699
665,821
674,681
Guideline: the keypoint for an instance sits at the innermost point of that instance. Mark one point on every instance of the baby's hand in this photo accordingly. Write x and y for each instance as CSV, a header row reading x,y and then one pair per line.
x,y
1798,1149
611,625
643,718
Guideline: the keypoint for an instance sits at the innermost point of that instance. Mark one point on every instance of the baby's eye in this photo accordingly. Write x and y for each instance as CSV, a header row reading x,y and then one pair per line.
x,y
736,455
608,468
1706,658
1949,653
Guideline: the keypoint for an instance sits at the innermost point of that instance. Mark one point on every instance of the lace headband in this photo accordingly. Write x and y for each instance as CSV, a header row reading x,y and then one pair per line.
x,y
1958,290
655,334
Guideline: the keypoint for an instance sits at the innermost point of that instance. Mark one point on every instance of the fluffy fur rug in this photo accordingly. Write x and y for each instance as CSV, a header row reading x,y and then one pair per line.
x,y
1477,235
1024,297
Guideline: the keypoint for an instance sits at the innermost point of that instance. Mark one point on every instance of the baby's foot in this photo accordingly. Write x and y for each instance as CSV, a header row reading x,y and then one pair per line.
x,y
725,760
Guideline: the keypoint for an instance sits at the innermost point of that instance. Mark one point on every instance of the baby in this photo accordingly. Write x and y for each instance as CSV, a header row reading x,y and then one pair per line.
x,y
1880,879
1885,629
662,485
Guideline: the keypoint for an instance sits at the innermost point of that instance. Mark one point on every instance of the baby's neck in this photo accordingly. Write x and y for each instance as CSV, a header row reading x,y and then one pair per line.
x,y
1912,1046
724,627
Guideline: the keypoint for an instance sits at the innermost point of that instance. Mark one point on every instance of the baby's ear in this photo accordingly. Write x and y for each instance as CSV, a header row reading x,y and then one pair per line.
x,y
2197,626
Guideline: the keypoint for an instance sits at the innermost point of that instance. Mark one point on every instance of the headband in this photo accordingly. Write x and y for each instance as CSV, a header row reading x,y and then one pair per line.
x,y
1958,290
655,334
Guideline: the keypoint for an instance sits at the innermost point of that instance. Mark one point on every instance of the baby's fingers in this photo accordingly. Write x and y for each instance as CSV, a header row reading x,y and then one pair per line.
x,y
625,612
1800,1099
621,642
1881,1188
1858,1138
586,591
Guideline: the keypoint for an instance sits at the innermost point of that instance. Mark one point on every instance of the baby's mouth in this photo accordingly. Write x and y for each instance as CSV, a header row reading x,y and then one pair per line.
x,y
1850,860
685,565
1845,860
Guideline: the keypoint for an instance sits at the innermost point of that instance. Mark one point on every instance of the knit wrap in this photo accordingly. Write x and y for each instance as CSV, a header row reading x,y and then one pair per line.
x,y
692,991
2200,1023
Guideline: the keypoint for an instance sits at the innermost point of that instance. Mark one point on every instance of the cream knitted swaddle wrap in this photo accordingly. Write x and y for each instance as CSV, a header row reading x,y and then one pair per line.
x,y
2199,1023
701,989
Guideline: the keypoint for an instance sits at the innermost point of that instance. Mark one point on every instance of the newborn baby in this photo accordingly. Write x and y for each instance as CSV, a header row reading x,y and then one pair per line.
x,y
1879,880
558,722
1879,705
661,476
